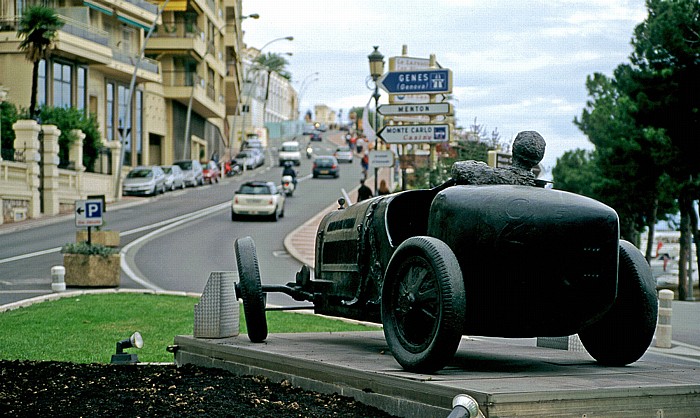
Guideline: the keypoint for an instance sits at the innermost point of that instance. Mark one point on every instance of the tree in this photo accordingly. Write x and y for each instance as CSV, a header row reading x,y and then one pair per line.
x,y
271,63
38,29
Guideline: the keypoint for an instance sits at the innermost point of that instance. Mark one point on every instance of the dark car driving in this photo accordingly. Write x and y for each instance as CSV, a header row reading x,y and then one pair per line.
x,y
325,165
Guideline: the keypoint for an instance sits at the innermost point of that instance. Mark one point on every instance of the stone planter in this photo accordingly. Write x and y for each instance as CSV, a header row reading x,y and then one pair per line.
x,y
106,238
92,270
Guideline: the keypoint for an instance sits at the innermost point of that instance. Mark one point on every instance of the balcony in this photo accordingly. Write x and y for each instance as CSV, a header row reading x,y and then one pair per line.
x,y
177,37
181,85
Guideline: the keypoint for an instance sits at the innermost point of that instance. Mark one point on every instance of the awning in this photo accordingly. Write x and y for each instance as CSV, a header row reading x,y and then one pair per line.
x,y
173,5
133,23
99,8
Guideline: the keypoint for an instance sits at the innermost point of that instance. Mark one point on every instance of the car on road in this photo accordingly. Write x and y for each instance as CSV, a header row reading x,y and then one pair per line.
x,y
144,180
343,154
316,136
290,151
211,172
254,142
258,198
192,172
250,158
174,178
325,165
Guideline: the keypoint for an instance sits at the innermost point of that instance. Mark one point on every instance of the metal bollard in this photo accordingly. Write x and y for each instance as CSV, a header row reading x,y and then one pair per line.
x,y
58,274
663,325
464,406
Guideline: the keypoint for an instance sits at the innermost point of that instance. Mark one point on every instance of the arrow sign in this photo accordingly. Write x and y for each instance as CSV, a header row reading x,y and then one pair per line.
x,y
88,213
415,134
415,109
431,81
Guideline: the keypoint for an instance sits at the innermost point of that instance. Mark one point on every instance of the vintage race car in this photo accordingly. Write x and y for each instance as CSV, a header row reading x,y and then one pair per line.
x,y
492,260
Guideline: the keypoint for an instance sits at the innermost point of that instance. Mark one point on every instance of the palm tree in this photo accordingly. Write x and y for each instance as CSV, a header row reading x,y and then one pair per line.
x,y
271,63
38,29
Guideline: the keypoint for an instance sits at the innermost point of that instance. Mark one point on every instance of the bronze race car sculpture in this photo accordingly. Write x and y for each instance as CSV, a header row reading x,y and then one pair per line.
x,y
490,252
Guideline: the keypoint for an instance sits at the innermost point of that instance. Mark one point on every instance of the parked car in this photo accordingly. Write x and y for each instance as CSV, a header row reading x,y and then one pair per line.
x,y
290,151
144,180
253,142
174,178
325,165
249,158
258,198
211,172
343,154
192,172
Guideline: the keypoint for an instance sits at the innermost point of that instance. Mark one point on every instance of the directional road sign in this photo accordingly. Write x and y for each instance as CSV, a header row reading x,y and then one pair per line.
x,y
88,213
415,134
415,109
430,81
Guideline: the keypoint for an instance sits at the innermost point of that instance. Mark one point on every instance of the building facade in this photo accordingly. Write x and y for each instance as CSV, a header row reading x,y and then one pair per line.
x,y
183,82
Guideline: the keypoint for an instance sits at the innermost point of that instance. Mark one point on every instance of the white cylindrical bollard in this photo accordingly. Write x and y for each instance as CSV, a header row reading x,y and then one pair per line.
x,y
663,325
58,274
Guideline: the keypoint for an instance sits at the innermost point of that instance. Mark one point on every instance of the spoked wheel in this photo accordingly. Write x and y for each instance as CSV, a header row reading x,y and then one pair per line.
x,y
423,304
251,289
625,332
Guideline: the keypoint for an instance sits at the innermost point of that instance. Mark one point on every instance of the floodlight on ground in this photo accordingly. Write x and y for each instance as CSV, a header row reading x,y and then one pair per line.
x,y
135,341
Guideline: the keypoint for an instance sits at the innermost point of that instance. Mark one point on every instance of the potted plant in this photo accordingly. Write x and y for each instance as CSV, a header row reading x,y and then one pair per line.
x,y
100,236
92,265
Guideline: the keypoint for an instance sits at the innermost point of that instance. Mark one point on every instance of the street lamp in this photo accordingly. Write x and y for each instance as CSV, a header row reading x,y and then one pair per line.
x,y
305,83
376,69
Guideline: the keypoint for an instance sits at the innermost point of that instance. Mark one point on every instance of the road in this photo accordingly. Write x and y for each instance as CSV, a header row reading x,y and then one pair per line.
x,y
181,257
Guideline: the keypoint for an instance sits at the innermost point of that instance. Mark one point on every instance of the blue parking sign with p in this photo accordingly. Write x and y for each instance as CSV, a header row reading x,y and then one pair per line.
x,y
88,212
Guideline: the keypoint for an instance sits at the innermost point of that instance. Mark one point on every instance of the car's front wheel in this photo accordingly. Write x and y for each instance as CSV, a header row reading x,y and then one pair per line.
x,y
251,289
423,304
624,333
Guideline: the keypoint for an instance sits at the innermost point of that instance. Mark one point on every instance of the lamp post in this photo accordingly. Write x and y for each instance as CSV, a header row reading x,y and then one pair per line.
x,y
250,85
376,69
305,83
3,96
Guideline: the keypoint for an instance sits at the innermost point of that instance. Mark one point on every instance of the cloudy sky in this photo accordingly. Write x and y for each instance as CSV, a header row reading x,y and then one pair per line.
x,y
517,65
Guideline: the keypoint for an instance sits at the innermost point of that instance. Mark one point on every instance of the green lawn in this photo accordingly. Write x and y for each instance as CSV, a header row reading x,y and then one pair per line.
x,y
85,329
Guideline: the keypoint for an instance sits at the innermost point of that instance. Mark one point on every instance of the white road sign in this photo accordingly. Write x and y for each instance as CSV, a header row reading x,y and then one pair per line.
x,y
415,109
381,158
415,134
88,213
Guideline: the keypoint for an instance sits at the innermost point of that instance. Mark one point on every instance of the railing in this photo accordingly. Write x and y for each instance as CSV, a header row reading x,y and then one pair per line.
x,y
178,30
144,5
146,64
181,78
84,31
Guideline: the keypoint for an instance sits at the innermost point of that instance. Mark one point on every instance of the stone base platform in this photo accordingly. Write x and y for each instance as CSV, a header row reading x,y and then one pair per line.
x,y
507,377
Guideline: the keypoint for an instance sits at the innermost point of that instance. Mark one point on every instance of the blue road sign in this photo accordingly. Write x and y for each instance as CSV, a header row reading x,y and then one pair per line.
x,y
88,212
431,81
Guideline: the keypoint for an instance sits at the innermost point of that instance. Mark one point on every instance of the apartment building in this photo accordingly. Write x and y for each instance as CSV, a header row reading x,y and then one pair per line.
x,y
177,108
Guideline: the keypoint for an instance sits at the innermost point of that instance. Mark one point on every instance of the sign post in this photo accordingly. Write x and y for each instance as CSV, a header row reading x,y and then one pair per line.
x,y
88,213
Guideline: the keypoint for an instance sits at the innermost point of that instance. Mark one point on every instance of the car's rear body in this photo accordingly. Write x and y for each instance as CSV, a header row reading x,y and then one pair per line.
x,y
257,198
325,166
535,262
343,154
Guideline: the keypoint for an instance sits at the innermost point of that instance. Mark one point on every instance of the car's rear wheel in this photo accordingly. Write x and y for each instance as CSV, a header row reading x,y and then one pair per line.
x,y
624,333
275,215
251,289
423,304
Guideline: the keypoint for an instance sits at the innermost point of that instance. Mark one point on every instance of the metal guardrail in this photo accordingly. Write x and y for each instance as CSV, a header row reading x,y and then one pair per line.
x,y
146,64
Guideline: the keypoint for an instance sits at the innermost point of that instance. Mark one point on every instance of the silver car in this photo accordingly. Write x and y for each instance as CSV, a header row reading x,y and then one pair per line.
x,y
192,172
174,178
144,180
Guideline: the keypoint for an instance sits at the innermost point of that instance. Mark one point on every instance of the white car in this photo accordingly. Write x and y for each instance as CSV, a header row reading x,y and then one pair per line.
x,y
144,180
343,154
174,178
290,151
192,172
258,198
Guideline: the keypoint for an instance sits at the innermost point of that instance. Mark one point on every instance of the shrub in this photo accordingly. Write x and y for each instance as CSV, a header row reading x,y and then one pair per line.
x,y
88,249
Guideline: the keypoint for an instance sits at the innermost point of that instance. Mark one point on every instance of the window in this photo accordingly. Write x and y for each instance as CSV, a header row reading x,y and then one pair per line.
x,y
41,84
62,74
109,112
81,88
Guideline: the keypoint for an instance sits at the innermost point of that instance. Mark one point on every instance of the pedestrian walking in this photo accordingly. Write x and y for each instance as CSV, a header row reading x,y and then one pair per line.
x,y
365,165
383,189
364,192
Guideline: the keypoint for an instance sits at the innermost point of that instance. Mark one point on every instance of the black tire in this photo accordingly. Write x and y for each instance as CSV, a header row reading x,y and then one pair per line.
x,y
624,333
423,304
251,289
275,216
